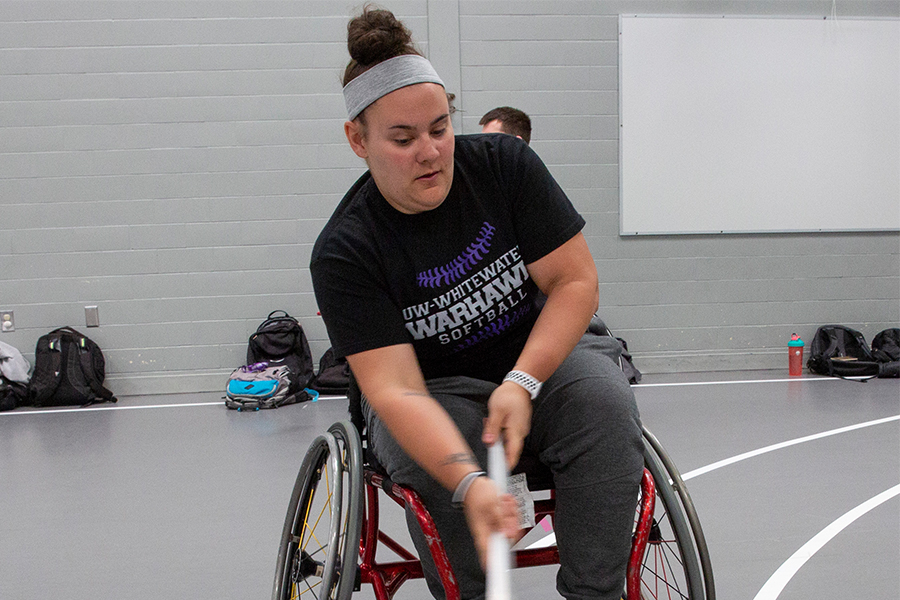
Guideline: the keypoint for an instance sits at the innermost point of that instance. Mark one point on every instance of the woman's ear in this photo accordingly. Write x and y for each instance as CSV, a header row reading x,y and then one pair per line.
x,y
355,136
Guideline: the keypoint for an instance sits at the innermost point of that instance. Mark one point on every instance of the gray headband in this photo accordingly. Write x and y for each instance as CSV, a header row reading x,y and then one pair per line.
x,y
384,78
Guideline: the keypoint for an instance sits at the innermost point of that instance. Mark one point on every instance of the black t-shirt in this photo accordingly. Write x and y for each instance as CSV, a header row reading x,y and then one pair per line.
x,y
452,280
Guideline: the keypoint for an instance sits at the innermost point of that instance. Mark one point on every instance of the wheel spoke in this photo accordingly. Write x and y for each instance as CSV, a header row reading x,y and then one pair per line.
x,y
326,508
297,591
662,576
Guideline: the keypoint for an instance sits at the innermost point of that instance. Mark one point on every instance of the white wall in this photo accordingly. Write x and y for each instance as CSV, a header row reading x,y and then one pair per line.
x,y
172,163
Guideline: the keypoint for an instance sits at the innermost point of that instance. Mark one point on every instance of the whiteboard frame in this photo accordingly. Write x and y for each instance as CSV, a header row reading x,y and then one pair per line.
x,y
885,217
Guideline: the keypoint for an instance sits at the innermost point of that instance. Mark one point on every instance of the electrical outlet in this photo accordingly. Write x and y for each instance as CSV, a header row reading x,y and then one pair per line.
x,y
91,316
7,321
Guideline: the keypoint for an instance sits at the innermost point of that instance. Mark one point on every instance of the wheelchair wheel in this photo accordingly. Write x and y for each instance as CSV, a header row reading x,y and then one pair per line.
x,y
676,563
674,481
319,549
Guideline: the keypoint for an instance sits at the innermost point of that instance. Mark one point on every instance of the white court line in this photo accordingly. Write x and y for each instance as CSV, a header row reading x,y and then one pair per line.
x,y
551,539
139,407
729,382
638,386
780,578
809,438
104,408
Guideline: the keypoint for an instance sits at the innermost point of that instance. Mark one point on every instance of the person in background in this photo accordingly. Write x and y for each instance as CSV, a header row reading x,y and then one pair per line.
x,y
427,276
506,119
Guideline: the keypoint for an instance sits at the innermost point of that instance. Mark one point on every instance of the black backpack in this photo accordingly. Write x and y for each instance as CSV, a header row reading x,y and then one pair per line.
x,y
14,377
886,345
69,369
12,394
839,351
333,376
280,340
886,350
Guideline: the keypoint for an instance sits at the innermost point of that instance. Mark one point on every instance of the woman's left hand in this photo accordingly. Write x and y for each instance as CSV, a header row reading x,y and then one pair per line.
x,y
509,416
487,513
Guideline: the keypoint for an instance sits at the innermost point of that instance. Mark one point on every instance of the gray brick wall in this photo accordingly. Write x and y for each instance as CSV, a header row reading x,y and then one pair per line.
x,y
683,303
172,163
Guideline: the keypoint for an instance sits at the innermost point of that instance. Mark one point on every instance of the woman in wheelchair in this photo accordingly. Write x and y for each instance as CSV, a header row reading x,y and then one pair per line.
x,y
427,276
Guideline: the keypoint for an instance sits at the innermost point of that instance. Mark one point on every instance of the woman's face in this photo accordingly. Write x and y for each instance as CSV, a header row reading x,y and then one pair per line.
x,y
408,144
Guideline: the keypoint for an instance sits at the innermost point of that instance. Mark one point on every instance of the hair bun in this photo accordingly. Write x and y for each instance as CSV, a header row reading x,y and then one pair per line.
x,y
377,35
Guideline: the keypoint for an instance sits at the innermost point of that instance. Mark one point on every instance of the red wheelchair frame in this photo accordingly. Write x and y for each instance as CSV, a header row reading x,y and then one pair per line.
x,y
386,578
669,558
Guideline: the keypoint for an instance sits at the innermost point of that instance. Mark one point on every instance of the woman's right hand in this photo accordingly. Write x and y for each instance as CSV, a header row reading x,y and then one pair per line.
x,y
487,512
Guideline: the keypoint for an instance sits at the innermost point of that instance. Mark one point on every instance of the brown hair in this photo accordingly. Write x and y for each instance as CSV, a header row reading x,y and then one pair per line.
x,y
373,37
512,121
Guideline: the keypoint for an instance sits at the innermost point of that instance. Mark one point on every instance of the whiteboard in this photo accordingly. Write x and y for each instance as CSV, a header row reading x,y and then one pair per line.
x,y
758,125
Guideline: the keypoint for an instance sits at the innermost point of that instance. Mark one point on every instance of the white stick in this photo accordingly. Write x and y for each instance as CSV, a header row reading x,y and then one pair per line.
x,y
498,561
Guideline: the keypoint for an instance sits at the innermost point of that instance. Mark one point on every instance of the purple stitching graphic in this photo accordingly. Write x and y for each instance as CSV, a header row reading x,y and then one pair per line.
x,y
494,328
462,264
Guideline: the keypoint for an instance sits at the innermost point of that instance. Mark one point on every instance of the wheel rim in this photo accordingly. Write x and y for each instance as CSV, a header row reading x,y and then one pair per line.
x,y
319,549
311,545
670,569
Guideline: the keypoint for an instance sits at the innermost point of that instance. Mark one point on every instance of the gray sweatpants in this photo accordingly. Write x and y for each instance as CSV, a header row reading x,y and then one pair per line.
x,y
586,428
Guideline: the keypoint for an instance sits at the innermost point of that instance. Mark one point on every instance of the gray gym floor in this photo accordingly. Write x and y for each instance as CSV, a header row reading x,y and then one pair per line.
x,y
176,497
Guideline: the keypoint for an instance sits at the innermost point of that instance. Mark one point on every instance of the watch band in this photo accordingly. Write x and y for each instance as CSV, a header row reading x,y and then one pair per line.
x,y
531,385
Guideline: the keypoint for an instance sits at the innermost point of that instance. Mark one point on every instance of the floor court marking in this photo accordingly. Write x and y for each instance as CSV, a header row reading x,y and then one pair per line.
x,y
637,386
551,538
780,445
139,407
729,382
780,578
104,408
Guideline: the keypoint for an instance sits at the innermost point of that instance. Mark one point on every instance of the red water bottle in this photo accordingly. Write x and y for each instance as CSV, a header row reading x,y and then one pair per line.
x,y
795,353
